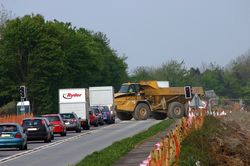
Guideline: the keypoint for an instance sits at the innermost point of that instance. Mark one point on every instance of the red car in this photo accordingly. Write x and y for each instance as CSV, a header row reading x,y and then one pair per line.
x,y
58,124
93,119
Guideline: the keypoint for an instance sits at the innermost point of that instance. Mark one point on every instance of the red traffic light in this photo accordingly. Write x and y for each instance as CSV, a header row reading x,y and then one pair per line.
x,y
188,92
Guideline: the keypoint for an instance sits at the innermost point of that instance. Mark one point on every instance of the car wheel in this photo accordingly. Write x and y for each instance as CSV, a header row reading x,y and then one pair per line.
x,y
78,130
101,122
22,147
64,134
25,146
96,124
52,137
87,127
46,140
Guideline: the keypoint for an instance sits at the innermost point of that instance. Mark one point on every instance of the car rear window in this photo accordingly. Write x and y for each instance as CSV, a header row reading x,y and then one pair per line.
x,y
105,109
32,122
67,116
53,118
8,128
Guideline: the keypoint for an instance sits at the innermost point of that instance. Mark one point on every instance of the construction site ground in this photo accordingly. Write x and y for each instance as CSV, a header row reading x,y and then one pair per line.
x,y
232,146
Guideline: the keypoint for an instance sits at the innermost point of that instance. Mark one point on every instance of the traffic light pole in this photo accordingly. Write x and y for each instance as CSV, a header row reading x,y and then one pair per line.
x,y
22,105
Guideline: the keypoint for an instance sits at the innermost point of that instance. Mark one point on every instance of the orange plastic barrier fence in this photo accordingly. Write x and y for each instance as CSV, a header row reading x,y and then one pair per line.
x,y
14,118
167,151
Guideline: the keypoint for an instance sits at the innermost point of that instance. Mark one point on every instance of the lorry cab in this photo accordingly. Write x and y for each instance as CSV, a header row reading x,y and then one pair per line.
x,y
129,88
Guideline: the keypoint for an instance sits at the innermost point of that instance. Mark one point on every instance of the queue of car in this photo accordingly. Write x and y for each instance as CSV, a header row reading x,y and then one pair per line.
x,y
99,115
13,135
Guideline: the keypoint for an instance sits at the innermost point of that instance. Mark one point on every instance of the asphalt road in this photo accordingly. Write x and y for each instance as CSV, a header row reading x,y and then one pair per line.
x,y
75,146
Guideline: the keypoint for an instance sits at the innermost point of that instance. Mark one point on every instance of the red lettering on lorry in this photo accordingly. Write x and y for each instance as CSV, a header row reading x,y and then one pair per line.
x,y
71,95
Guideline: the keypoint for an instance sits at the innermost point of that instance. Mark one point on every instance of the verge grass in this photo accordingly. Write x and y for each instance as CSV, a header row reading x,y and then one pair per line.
x,y
196,148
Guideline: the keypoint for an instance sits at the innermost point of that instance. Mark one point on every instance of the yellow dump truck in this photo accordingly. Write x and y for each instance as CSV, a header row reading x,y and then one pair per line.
x,y
147,98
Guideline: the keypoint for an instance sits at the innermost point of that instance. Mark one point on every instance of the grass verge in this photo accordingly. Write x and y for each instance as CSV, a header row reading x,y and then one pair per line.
x,y
109,155
197,146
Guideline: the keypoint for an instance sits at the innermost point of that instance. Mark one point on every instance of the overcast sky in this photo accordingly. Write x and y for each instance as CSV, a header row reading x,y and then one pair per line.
x,y
150,32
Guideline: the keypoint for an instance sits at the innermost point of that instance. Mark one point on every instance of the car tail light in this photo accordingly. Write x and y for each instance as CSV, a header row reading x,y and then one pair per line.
x,y
43,123
18,135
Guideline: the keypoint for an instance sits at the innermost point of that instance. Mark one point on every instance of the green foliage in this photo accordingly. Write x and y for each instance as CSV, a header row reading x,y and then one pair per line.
x,y
9,108
230,82
112,153
49,55
171,71
212,78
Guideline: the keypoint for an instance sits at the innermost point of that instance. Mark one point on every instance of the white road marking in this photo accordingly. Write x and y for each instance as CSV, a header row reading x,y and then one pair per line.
x,y
15,156
18,155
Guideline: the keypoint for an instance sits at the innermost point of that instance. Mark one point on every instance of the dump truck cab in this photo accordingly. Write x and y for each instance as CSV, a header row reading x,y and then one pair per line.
x,y
127,98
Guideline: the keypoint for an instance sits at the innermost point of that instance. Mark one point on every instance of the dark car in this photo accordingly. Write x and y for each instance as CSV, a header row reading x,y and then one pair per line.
x,y
58,125
12,135
108,115
38,128
96,110
71,121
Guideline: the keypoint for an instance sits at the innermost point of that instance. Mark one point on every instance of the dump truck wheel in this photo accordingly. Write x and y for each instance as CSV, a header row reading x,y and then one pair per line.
x,y
176,110
135,116
159,115
124,116
141,112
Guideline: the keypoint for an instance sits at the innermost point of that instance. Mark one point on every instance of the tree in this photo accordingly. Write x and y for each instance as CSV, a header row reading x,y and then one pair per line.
x,y
171,71
49,55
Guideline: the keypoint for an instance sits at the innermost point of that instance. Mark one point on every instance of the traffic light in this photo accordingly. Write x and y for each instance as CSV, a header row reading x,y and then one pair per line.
x,y
188,92
22,91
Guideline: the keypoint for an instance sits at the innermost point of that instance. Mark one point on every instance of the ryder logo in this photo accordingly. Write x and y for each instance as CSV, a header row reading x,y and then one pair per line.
x,y
71,95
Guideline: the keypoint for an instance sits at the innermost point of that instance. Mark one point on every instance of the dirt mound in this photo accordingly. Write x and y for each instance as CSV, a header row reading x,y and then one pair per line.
x,y
232,145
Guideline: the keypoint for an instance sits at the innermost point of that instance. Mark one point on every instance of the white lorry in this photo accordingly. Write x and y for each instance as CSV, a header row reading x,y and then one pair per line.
x,y
103,96
77,101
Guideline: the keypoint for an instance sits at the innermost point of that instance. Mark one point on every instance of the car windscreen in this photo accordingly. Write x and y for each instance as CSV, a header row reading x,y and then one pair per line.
x,y
53,118
32,122
8,128
68,116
